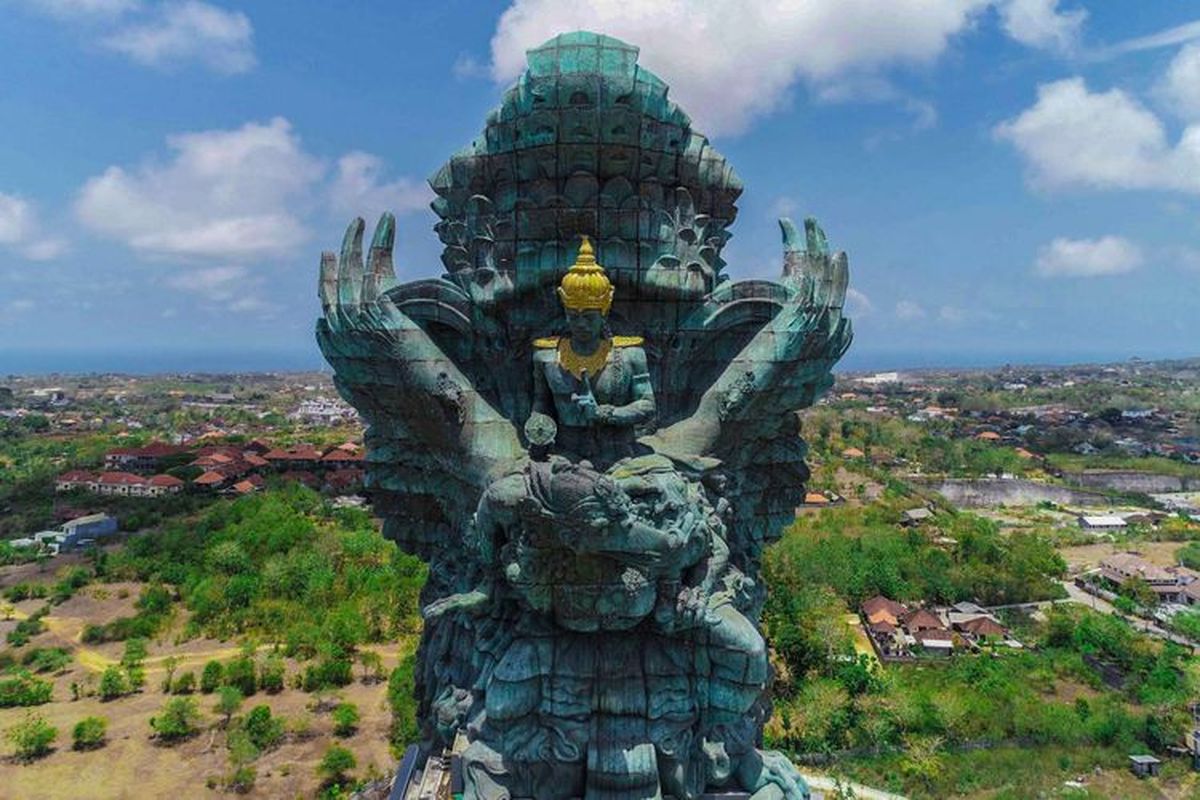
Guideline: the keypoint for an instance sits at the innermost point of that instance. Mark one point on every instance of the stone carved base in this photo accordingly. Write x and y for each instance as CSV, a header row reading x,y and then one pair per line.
x,y
442,777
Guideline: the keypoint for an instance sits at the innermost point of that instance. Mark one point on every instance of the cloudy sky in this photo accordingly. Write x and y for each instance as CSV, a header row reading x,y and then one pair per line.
x,y
1014,180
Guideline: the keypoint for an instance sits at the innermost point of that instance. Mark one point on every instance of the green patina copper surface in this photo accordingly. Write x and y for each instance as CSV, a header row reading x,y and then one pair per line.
x,y
594,541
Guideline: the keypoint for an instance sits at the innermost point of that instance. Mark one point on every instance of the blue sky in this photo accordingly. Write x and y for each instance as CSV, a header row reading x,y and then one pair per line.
x,y
1014,180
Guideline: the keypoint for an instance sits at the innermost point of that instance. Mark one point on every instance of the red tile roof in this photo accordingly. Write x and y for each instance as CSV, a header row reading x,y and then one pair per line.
x,y
881,603
920,619
120,478
210,479
338,454
297,453
982,626
168,481
76,476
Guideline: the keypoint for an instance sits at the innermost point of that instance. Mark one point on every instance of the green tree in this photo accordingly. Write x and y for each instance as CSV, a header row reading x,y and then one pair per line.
x,y
1140,592
113,683
178,719
271,675
336,763
372,666
264,730
242,779
89,733
211,677
136,677
23,689
345,719
229,700
184,684
47,659
32,737
170,664
240,672
135,652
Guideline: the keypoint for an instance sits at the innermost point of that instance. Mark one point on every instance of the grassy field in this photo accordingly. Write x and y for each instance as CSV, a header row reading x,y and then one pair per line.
x,y
132,764
1022,773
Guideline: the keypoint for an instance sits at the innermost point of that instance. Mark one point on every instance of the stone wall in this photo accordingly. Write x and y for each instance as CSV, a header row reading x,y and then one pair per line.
x,y
984,492
1132,481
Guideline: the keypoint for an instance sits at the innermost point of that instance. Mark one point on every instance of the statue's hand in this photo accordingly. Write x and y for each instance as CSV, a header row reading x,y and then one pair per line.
x,y
691,609
585,401
769,774
353,293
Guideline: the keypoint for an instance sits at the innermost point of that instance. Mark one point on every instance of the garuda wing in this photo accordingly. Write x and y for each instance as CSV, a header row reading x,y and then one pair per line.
x,y
433,441
743,419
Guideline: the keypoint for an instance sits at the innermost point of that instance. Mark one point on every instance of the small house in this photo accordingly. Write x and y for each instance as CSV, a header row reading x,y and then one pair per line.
x,y
1144,766
1102,522
915,516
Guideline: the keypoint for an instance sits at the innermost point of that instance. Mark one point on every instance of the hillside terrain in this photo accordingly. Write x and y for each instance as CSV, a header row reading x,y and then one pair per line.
x,y
256,633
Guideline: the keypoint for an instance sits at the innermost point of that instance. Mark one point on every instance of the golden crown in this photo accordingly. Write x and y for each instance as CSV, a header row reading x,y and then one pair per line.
x,y
585,286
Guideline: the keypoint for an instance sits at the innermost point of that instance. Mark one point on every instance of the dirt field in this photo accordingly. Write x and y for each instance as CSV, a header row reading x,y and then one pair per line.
x,y
132,765
1087,556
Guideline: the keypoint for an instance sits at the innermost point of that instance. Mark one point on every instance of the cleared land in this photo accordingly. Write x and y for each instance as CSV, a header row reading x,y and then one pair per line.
x,y
132,764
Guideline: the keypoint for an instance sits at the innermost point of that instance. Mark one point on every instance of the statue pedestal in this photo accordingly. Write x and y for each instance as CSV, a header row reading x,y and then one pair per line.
x,y
440,778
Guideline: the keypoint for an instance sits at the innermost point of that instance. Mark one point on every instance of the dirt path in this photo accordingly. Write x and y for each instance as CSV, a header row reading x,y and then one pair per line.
x,y
826,784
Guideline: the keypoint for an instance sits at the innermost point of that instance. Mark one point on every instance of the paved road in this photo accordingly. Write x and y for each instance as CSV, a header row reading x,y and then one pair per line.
x,y
823,783
1078,595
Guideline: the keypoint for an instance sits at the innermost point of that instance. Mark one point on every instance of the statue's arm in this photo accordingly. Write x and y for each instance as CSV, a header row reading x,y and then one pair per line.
x,y
543,401
641,409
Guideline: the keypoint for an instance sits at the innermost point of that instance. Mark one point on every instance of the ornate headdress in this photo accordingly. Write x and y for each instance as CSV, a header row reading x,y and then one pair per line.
x,y
585,286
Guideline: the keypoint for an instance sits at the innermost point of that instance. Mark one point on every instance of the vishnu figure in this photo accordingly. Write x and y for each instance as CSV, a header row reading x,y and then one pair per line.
x,y
592,393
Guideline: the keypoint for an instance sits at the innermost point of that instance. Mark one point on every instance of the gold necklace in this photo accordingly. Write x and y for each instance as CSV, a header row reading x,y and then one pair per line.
x,y
576,363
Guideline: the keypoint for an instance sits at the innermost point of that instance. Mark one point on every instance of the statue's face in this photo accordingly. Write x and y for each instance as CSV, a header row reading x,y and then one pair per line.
x,y
586,326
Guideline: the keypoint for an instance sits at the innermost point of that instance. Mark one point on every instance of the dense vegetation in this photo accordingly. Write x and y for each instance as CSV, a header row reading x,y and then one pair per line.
x,y
281,567
1086,683
862,551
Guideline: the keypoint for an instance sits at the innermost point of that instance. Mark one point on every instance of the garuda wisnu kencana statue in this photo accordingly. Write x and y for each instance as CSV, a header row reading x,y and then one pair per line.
x,y
590,434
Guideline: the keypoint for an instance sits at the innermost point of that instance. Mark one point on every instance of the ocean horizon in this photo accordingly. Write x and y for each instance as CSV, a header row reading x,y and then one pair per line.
x,y
23,363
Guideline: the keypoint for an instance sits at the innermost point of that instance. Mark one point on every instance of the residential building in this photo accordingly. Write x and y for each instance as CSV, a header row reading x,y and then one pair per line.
x,y
1102,522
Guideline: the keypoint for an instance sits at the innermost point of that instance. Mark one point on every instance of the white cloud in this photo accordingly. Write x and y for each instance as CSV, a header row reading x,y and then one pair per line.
x,y
858,304
1179,34
45,249
21,230
228,194
219,283
16,219
951,314
231,286
1040,24
359,190
189,31
1180,86
784,206
466,66
1087,258
908,310
729,62
1074,137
